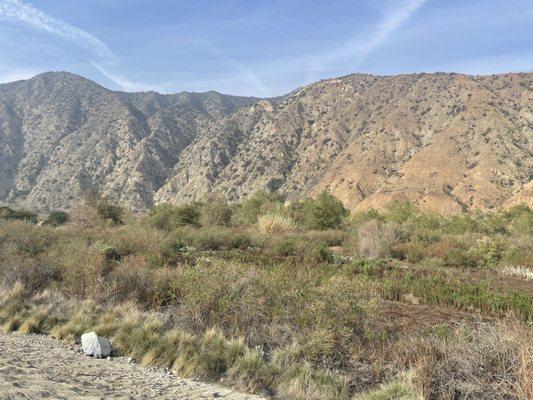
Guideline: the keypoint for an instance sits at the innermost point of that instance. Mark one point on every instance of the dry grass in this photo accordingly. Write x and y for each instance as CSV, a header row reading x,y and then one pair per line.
x,y
294,314
376,240
274,224
521,272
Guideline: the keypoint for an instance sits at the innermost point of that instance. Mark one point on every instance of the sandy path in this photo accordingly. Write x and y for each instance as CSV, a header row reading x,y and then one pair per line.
x,y
38,367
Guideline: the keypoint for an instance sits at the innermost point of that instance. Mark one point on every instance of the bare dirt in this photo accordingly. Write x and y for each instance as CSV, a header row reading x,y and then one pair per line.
x,y
38,367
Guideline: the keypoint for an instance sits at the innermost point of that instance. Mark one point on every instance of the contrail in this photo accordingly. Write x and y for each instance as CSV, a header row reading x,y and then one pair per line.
x,y
126,84
26,13
361,47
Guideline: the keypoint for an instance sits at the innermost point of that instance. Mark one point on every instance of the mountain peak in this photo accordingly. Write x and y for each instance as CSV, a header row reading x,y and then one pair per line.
x,y
444,141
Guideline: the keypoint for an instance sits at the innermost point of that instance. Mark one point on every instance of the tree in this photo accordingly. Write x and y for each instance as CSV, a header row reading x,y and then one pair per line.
x,y
325,212
109,210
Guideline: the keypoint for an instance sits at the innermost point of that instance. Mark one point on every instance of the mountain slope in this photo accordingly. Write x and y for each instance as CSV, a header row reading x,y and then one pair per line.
x,y
61,134
444,141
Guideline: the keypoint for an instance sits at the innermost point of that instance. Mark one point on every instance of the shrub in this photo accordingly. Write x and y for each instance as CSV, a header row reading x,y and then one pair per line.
x,y
186,215
10,214
260,203
400,212
216,211
398,389
376,240
167,217
359,218
108,210
326,212
109,252
215,238
491,361
56,218
283,247
161,217
521,219
460,257
274,224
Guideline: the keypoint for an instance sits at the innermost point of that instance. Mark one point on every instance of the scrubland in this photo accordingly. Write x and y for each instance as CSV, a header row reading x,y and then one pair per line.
x,y
297,301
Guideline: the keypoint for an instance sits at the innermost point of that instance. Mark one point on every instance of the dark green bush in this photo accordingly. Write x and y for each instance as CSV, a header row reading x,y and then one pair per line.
x,y
11,214
325,212
108,210
57,218
167,217
186,215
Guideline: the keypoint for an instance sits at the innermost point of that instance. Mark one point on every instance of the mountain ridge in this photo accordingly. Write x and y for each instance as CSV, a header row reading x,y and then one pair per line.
x,y
445,141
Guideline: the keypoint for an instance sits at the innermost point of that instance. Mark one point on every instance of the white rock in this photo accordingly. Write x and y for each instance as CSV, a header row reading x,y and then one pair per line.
x,y
94,345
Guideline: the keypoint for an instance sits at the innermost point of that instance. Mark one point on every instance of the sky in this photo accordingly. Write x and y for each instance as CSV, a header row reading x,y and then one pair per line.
x,y
259,47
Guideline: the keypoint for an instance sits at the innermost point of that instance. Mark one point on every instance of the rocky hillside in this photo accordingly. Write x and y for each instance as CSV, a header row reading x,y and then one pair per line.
x,y
444,141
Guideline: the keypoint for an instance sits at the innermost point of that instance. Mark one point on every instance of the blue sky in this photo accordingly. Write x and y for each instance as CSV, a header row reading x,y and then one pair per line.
x,y
260,48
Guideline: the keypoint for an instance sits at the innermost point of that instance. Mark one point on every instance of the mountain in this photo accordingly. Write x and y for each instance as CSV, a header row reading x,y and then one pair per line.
x,y
444,141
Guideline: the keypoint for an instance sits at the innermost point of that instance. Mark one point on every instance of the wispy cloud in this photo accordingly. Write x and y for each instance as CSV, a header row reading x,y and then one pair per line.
x,y
124,83
360,46
22,12
26,13
244,72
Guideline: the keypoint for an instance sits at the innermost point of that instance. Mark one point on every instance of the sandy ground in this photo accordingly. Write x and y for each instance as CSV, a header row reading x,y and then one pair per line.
x,y
39,367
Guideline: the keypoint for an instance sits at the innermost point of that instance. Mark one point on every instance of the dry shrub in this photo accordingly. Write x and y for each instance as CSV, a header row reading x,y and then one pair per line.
x,y
519,271
84,214
494,361
377,240
274,224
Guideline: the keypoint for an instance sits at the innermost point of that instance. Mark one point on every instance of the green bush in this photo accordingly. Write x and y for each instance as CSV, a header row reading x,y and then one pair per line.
x,y
57,218
520,219
400,212
460,257
325,212
218,239
283,247
260,203
11,214
161,217
108,210
186,215
167,217
216,212
108,251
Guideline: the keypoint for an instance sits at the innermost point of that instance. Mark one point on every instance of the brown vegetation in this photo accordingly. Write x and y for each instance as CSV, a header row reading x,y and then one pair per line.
x,y
398,304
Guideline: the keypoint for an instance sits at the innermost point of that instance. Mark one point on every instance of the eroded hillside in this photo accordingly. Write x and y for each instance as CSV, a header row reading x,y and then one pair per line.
x,y
443,141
